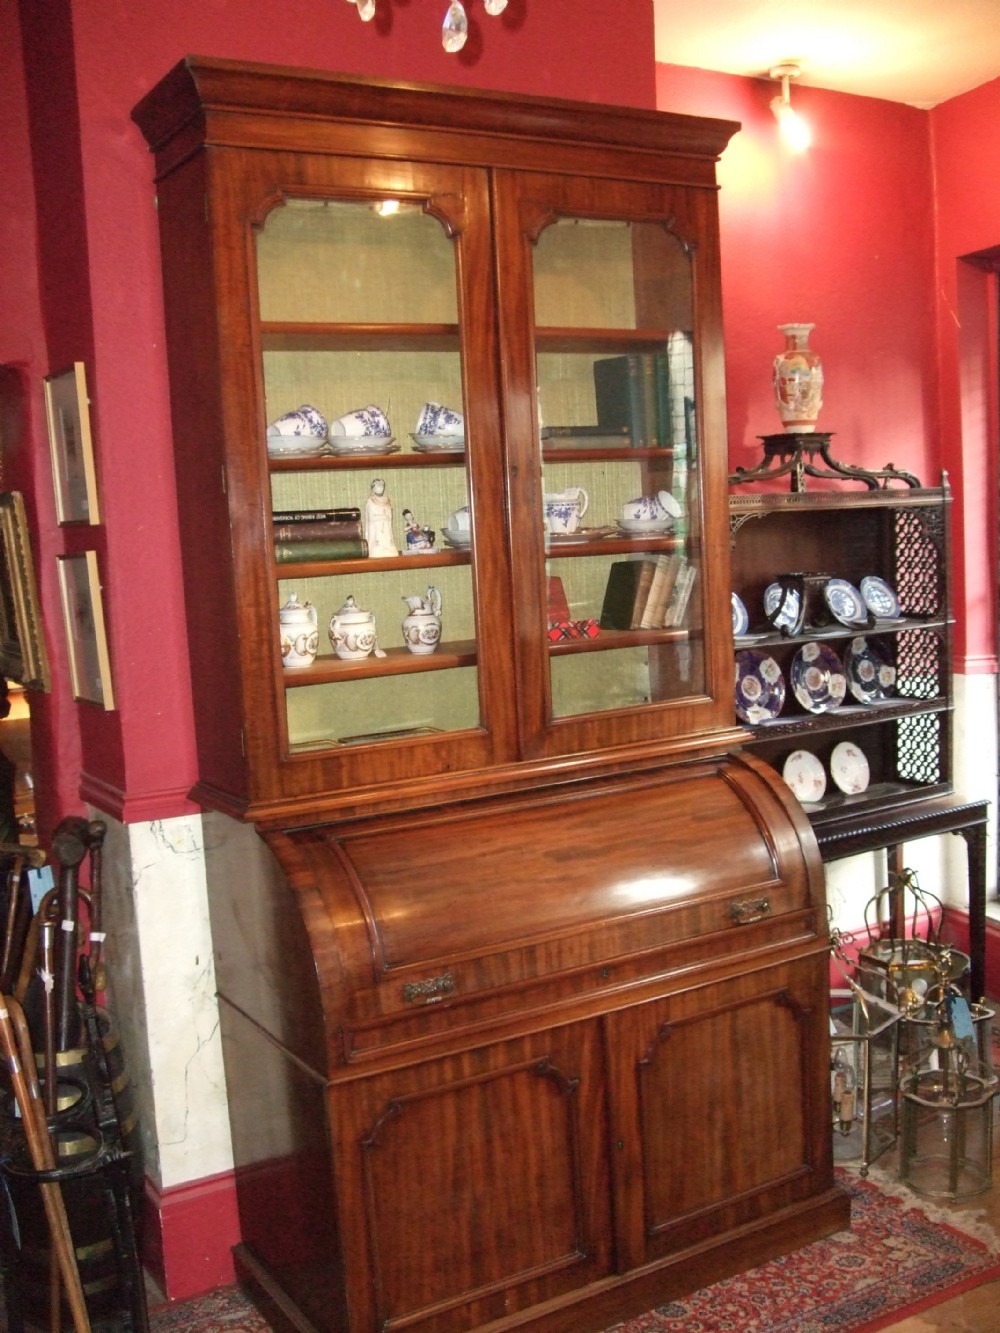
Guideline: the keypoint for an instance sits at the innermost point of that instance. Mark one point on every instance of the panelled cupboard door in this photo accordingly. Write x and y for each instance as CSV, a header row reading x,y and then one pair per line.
x,y
342,282
477,1185
609,311
721,1107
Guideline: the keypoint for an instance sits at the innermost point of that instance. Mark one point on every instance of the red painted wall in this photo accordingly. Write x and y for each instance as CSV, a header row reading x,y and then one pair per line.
x,y
966,142
862,235
88,62
840,236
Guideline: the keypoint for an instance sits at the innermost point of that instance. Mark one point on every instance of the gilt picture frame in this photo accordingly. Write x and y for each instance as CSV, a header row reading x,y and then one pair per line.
x,y
22,643
86,637
74,477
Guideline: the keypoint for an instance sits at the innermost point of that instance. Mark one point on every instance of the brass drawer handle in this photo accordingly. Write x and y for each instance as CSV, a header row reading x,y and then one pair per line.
x,y
750,910
434,988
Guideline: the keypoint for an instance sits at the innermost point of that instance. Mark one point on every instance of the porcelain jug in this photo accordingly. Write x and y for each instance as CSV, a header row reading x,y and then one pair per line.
x,y
353,633
564,509
299,632
422,627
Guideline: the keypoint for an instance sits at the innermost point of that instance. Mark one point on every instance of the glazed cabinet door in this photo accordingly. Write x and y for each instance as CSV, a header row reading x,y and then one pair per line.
x,y
610,324
476,1185
367,296
721,1105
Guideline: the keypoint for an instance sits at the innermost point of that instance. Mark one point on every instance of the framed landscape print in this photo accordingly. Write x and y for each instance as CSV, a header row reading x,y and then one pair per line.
x,y
73,476
83,613
22,643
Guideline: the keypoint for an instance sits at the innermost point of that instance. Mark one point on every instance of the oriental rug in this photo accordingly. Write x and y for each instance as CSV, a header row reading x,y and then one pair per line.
x,y
898,1258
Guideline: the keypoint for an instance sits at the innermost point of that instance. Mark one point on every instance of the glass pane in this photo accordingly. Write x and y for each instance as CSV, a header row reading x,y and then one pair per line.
x,y
328,261
618,430
360,308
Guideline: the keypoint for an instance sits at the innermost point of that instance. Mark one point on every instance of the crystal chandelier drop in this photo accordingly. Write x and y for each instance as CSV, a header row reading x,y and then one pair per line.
x,y
454,29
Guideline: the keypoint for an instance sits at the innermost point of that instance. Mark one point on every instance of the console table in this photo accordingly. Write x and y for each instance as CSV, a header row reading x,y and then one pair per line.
x,y
922,819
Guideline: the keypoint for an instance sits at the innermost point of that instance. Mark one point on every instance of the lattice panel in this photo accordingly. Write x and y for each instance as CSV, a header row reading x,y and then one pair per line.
x,y
919,742
919,562
920,657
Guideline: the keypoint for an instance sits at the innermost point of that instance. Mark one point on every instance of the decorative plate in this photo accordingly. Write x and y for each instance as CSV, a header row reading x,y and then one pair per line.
x,y
880,599
438,444
849,768
760,687
741,621
871,673
806,776
788,617
845,602
818,679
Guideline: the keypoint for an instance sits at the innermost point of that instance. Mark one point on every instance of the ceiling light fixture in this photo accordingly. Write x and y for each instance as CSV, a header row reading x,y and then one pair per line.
x,y
454,29
794,130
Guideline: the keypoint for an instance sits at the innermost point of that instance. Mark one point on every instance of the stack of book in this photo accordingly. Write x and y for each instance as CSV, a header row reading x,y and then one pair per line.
x,y
633,395
586,437
648,594
318,534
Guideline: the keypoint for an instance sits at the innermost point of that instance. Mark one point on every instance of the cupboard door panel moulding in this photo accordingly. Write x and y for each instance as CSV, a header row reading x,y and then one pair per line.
x,y
456,895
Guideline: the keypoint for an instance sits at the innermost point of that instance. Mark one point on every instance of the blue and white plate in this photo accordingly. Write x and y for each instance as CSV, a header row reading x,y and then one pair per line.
x,y
817,678
788,616
871,673
880,599
845,602
741,621
760,687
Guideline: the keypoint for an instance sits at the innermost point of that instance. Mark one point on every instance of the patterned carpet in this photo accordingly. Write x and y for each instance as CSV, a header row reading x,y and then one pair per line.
x,y
894,1261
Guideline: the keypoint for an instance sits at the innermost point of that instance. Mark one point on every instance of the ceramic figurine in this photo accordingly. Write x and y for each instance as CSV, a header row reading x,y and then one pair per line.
x,y
378,521
352,632
299,633
417,538
422,627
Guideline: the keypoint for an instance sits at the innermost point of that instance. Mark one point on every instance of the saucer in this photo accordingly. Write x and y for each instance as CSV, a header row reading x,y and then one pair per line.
x,y
760,687
806,776
788,617
880,599
741,621
845,602
462,540
363,446
849,768
871,673
817,678
648,527
434,444
296,446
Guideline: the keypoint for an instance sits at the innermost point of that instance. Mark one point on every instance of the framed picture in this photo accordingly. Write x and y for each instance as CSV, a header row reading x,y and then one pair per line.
x,y
83,612
73,475
22,644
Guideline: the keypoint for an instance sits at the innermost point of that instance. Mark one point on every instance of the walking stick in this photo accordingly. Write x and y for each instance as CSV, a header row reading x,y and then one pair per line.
x,y
69,846
15,1043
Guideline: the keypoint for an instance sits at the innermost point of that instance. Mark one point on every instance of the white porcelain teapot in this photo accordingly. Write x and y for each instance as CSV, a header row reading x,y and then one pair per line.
x,y
353,634
299,633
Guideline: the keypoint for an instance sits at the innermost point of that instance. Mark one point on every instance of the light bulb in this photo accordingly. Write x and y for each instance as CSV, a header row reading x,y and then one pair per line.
x,y
793,128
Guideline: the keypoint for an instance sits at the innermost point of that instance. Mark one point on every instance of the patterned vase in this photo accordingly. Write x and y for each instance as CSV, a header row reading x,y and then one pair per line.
x,y
798,380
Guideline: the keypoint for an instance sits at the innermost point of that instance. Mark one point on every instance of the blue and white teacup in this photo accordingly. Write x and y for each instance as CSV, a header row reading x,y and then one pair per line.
x,y
437,420
658,508
303,421
368,421
565,509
